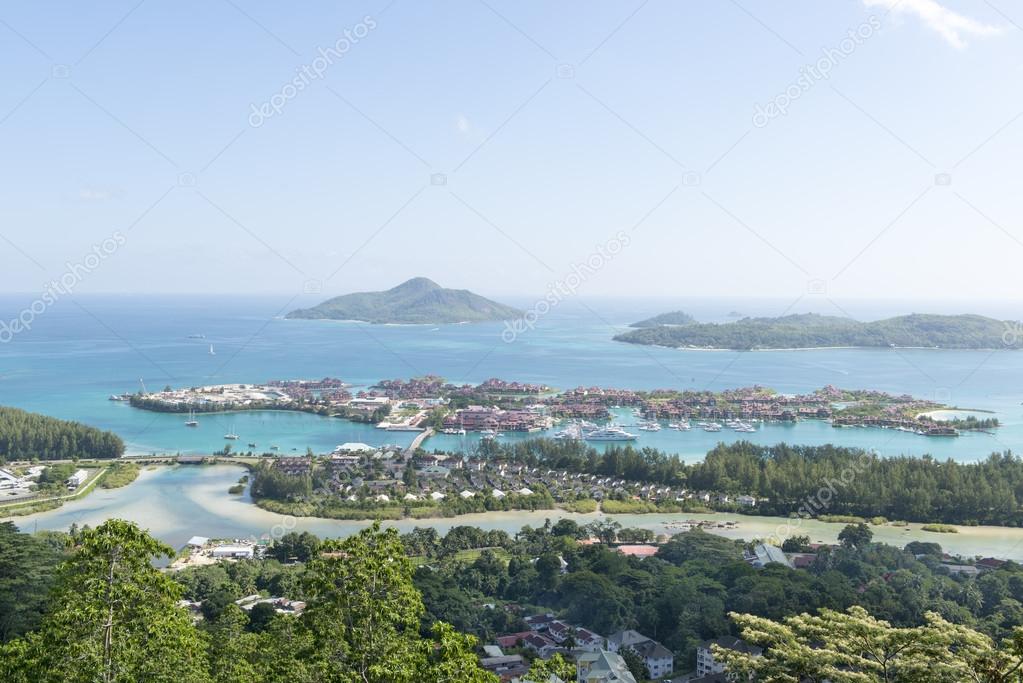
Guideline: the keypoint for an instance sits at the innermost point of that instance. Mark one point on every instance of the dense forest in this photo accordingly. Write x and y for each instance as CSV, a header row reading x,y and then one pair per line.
x,y
24,436
410,605
810,330
110,616
809,480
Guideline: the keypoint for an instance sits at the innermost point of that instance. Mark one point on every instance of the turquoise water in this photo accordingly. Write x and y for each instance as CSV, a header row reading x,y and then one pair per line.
x,y
74,357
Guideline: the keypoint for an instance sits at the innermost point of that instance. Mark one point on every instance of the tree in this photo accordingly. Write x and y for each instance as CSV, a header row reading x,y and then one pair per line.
x,y
856,535
796,544
113,618
541,670
364,612
635,663
853,647
604,530
294,546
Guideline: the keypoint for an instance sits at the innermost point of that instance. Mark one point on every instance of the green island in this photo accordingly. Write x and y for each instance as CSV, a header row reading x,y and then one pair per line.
x,y
811,330
671,318
417,301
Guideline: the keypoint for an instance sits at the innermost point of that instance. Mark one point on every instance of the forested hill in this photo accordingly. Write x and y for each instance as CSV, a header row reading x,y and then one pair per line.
x,y
417,301
25,435
671,318
811,330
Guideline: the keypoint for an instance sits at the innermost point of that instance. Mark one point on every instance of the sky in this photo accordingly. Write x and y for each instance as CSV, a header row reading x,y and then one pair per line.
x,y
804,150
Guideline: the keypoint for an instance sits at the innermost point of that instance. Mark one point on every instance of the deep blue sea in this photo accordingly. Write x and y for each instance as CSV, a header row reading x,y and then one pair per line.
x,y
79,351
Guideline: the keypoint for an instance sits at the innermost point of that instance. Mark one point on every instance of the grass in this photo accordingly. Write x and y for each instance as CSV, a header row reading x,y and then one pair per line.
x,y
940,528
468,556
841,519
119,475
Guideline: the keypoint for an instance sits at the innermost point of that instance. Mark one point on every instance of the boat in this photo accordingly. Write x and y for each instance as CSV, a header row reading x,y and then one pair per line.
x,y
192,422
212,352
197,336
231,436
649,426
712,427
488,432
252,445
609,433
274,448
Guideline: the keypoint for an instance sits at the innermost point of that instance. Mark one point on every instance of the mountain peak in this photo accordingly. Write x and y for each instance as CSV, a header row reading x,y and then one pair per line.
x,y
417,284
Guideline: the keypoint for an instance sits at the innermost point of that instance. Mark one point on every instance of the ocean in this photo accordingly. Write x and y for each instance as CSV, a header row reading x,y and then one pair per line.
x,y
80,351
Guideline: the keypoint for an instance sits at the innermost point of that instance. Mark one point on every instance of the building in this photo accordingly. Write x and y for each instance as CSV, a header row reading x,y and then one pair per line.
x,y
505,666
602,667
77,479
8,480
763,554
706,665
232,550
659,660
640,551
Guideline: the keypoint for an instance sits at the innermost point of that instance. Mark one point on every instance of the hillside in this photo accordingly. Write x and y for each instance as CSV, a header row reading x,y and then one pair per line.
x,y
418,301
25,435
817,331
672,318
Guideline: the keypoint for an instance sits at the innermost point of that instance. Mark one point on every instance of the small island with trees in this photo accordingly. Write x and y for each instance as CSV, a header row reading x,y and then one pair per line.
x,y
419,301
814,331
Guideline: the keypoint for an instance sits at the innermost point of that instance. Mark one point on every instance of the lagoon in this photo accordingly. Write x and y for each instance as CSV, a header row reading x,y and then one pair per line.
x,y
180,501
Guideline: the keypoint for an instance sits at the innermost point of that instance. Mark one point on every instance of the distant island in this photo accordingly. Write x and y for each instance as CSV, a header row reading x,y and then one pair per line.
x,y
417,301
672,318
811,331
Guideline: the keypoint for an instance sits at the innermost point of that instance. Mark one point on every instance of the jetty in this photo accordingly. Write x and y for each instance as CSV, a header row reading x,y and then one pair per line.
x,y
418,441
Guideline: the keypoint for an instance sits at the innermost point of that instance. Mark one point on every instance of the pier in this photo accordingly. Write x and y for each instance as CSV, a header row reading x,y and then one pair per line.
x,y
418,441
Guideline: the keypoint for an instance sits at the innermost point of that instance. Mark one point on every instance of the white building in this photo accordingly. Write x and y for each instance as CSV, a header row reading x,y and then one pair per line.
x,y
77,479
232,550
8,480
659,660
706,665
602,667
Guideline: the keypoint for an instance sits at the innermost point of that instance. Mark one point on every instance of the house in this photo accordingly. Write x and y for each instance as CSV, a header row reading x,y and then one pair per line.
x,y
499,494
763,554
961,569
524,491
602,667
989,563
437,495
466,494
542,645
512,639
8,480
588,640
505,666
659,660
746,501
706,665
197,541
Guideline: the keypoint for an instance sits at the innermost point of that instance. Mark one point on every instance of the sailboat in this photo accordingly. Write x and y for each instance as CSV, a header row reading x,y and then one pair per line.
x,y
231,435
192,422
212,352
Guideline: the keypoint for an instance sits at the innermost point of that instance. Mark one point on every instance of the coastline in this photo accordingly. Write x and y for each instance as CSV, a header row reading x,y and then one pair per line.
x,y
176,502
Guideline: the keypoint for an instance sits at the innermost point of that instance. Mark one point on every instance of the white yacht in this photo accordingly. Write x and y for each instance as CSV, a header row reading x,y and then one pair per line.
x,y
609,434
192,422
712,427
231,436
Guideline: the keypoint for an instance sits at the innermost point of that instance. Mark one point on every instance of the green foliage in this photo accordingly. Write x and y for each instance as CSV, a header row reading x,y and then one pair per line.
x,y
26,574
25,435
855,535
854,647
541,670
113,618
120,474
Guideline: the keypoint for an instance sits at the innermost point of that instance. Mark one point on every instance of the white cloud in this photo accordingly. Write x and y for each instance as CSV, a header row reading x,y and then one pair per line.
x,y
462,123
955,28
